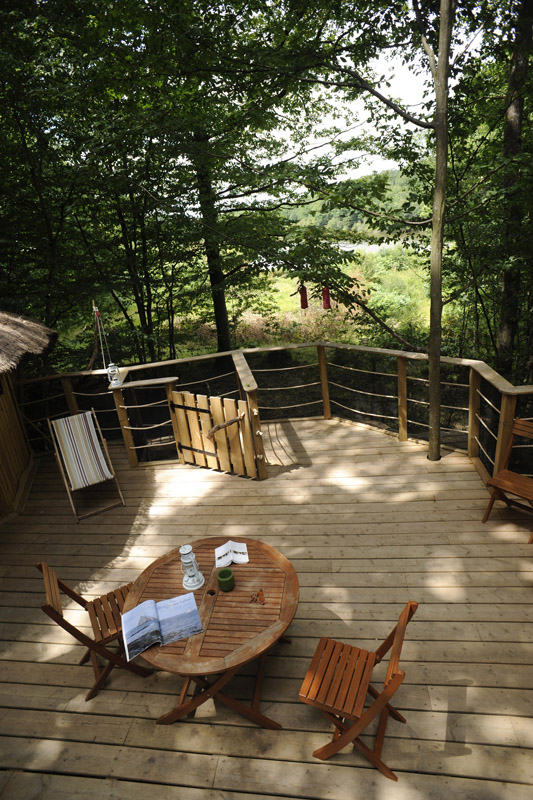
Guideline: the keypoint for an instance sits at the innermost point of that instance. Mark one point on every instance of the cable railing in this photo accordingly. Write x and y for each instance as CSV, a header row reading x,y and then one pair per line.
x,y
380,387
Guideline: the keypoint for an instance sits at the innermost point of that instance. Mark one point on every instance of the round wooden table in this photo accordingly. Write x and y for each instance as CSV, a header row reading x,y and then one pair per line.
x,y
236,629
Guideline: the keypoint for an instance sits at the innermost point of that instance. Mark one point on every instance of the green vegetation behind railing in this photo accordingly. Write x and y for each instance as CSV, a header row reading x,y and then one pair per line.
x,y
380,387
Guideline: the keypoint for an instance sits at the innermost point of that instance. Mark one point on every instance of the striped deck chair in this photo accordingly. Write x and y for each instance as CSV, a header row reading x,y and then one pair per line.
x,y
80,457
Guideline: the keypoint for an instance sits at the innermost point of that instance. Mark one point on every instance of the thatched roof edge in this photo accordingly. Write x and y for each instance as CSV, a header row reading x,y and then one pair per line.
x,y
19,336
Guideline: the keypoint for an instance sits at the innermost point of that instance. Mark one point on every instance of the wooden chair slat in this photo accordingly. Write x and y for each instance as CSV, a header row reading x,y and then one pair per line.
x,y
100,616
339,675
304,690
115,609
523,427
110,614
349,673
365,668
322,666
329,672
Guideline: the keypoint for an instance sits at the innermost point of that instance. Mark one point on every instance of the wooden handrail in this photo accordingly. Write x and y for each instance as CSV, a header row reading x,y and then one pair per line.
x,y
478,370
481,367
244,372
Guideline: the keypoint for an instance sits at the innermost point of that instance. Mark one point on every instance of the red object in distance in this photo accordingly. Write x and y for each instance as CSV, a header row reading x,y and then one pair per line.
x,y
326,300
303,297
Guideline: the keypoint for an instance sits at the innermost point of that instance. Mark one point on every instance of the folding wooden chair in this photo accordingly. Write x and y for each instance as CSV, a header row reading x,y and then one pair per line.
x,y
80,458
506,481
105,617
338,681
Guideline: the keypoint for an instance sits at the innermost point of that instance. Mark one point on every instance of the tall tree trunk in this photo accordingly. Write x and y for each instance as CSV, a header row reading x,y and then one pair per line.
x,y
440,76
512,146
206,196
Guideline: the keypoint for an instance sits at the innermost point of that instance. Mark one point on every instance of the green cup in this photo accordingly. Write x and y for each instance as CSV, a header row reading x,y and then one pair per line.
x,y
226,580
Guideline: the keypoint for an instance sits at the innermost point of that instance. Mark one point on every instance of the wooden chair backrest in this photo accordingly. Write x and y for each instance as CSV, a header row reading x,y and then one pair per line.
x,y
521,427
53,588
394,642
80,449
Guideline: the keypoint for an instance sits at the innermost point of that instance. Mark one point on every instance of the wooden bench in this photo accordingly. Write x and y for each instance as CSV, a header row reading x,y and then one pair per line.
x,y
508,482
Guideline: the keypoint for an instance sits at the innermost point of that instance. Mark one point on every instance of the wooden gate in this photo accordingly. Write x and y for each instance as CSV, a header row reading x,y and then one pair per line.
x,y
214,432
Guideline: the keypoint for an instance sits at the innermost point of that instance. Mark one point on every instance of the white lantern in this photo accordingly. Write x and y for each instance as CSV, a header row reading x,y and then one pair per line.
x,y
193,577
113,373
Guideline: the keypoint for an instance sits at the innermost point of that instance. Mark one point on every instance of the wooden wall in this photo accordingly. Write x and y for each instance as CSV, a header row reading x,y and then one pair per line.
x,y
15,453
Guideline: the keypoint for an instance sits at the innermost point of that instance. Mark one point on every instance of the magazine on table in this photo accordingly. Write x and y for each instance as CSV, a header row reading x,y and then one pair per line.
x,y
164,622
231,553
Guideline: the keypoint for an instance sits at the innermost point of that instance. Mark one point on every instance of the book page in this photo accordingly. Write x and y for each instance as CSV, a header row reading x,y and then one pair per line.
x,y
140,628
239,552
178,618
231,552
223,555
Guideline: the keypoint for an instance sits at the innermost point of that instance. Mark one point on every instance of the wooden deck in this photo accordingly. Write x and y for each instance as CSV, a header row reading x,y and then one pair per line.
x,y
368,523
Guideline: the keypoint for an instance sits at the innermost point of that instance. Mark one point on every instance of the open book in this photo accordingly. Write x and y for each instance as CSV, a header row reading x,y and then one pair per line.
x,y
160,623
231,553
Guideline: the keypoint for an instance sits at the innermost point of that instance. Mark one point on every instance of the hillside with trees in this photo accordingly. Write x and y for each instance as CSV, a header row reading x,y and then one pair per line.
x,y
173,161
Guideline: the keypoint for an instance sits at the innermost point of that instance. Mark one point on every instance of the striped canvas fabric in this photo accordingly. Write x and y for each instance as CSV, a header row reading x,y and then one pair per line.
x,y
80,449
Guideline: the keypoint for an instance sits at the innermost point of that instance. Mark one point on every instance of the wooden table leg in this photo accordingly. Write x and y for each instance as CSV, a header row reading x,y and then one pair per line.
x,y
252,712
209,690
248,712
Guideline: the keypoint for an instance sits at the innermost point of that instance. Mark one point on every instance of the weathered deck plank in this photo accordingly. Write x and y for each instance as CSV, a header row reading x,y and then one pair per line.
x,y
368,523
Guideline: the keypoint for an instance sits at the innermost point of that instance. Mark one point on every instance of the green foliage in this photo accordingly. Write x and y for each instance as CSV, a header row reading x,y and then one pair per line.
x,y
162,159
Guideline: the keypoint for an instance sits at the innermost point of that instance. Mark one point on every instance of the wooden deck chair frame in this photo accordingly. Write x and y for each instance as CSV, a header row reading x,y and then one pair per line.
x,y
506,481
97,452
338,682
105,618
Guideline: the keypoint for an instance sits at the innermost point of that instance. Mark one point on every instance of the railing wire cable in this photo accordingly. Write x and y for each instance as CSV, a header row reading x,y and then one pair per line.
x,y
286,369
368,394
147,405
91,394
296,405
484,451
42,400
482,422
283,388
148,427
364,371
486,399
364,413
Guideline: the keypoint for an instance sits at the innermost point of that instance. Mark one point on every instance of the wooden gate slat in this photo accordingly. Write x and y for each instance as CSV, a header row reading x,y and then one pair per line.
x,y
247,440
220,440
183,427
194,428
234,439
206,423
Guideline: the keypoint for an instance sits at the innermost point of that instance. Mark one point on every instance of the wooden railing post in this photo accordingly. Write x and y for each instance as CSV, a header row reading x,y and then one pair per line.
x,y
247,381
402,399
123,418
507,414
257,434
70,397
324,380
474,402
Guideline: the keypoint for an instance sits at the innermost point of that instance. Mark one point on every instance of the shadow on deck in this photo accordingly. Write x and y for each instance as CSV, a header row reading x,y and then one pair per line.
x,y
368,523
